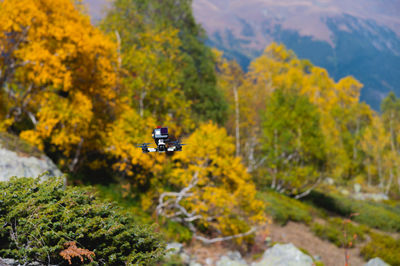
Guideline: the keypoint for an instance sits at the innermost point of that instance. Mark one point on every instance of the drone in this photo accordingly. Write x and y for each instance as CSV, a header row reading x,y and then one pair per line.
x,y
164,144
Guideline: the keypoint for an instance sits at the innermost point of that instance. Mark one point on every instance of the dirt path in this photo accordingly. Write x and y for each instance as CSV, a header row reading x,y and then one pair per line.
x,y
302,237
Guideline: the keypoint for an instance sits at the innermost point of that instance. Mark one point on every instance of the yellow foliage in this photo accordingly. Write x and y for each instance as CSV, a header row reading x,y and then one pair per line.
x,y
151,71
338,102
63,75
121,141
225,191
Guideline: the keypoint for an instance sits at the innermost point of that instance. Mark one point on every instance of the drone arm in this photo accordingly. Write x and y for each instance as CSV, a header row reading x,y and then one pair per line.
x,y
151,149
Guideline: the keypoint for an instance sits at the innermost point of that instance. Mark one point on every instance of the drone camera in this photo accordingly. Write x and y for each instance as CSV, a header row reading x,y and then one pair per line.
x,y
160,133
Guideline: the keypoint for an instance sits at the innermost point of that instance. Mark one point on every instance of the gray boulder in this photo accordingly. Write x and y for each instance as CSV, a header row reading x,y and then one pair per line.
x,y
376,262
370,196
12,262
284,255
232,258
174,248
14,164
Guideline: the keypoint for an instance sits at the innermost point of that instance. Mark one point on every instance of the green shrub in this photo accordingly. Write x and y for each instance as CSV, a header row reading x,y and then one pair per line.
x,y
170,230
38,218
384,247
376,215
334,231
283,208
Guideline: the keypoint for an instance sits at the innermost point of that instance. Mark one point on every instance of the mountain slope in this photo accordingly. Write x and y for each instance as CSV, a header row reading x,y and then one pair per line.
x,y
359,38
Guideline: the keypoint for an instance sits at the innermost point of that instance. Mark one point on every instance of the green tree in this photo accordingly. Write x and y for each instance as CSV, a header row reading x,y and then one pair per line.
x,y
293,142
194,66
391,118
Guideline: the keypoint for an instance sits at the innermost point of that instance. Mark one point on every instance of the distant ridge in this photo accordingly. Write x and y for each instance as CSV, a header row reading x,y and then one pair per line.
x,y
359,37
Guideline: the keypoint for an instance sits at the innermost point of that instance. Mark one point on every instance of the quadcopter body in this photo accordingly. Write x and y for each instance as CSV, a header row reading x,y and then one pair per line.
x,y
162,141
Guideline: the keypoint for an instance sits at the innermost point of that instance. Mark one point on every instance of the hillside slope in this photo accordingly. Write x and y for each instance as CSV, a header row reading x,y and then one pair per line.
x,y
359,38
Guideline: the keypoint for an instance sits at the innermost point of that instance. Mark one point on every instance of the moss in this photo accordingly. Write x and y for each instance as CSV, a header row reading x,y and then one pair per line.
x,y
39,218
283,208
13,143
384,247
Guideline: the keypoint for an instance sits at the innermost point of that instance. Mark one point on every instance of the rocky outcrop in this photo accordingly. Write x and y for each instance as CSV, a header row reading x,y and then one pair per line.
x,y
19,159
376,262
11,164
12,262
232,258
284,255
278,255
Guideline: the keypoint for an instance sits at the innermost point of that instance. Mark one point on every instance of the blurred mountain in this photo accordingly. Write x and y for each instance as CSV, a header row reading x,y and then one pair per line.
x,y
359,37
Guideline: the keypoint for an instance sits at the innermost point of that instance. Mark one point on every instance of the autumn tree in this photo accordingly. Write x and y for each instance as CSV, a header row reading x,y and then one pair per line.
x,y
213,194
58,74
293,142
230,81
160,42
390,114
342,118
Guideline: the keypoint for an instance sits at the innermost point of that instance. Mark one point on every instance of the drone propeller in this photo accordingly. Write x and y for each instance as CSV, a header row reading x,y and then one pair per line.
x,y
177,143
144,145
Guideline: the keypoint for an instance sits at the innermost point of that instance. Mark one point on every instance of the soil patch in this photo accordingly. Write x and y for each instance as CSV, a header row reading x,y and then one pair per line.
x,y
302,237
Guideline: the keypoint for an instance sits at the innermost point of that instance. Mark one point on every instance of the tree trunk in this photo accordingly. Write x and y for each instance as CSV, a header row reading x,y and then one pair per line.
x,y
389,184
237,120
141,102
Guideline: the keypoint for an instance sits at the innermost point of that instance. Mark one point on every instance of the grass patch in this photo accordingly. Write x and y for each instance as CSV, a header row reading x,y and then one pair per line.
x,y
334,231
384,247
283,208
376,215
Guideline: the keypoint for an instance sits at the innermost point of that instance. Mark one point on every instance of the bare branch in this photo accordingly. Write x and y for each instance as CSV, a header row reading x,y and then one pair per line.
x,y
219,239
308,191
182,215
76,158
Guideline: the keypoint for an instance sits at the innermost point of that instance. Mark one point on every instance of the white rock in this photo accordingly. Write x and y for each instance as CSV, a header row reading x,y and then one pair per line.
x,y
11,164
370,196
357,188
329,181
232,258
185,258
226,261
284,255
174,248
376,262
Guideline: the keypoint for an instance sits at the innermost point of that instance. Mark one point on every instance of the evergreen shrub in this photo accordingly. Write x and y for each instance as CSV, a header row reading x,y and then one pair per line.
x,y
39,218
375,215
283,208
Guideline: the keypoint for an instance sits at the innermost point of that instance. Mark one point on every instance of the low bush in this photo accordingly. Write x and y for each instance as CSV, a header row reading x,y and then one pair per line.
x,y
339,232
376,215
171,231
40,220
283,208
384,247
